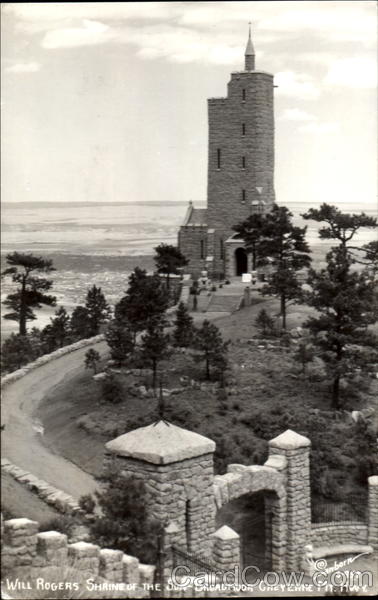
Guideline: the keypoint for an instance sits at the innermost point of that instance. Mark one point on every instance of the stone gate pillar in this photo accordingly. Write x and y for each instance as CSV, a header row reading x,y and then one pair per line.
x,y
176,466
296,449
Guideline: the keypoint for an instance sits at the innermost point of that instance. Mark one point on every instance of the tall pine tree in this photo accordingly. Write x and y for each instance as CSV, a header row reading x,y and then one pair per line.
x,y
97,308
155,346
25,270
183,331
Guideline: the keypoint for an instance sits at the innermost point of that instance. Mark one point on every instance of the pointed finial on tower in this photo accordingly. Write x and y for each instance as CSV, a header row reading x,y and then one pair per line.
x,y
249,53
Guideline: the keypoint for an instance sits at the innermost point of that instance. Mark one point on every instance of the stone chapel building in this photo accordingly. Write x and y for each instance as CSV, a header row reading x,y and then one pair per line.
x,y
240,173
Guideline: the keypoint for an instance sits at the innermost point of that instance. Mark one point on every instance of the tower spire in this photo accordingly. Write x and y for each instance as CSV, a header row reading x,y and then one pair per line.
x,y
249,53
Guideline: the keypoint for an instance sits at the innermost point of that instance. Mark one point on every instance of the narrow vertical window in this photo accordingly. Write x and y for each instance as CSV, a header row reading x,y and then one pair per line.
x,y
244,195
187,525
221,253
218,158
243,162
244,95
202,249
243,129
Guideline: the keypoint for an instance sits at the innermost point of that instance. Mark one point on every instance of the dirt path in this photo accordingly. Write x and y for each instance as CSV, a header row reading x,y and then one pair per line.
x,y
22,440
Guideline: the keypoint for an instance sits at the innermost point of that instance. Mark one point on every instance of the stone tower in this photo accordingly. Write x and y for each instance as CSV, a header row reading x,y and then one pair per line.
x,y
240,172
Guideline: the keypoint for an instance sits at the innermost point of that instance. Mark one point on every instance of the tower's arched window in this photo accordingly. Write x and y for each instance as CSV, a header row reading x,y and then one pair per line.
x,y
244,95
202,249
221,250
244,195
243,128
219,158
243,162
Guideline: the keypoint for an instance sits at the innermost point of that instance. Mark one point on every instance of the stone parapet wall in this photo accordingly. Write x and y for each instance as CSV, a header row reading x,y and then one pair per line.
x,y
23,546
49,494
327,534
46,358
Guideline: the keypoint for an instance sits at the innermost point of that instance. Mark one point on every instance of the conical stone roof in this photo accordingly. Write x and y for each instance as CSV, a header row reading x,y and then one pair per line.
x,y
290,440
161,443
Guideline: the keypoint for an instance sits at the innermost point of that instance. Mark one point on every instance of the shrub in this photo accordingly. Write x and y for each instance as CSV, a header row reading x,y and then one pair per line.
x,y
62,523
112,390
126,523
87,503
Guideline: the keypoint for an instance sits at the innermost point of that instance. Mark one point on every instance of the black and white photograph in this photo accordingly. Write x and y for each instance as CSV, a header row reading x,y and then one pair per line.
x,y
189,299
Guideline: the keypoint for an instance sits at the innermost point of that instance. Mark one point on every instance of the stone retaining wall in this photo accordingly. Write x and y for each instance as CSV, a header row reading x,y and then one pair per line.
x,y
23,546
61,501
46,358
343,532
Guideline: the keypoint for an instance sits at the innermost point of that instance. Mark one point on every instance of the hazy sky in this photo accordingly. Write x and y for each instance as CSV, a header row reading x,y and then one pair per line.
x,y
107,101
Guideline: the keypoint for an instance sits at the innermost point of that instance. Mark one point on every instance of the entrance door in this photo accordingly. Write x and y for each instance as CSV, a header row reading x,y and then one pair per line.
x,y
241,261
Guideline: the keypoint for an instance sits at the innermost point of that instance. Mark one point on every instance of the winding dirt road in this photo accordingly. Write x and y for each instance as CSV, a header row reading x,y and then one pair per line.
x,y
22,440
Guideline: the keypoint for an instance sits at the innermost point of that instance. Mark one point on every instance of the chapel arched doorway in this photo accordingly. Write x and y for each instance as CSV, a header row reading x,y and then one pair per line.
x,y
241,261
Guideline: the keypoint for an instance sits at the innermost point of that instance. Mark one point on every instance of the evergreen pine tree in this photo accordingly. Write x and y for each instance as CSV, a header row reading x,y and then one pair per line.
x,y
31,293
146,299
120,340
16,351
264,322
98,309
283,245
183,332
92,358
56,334
155,346
126,523
80,325
169,260
344,301
208,340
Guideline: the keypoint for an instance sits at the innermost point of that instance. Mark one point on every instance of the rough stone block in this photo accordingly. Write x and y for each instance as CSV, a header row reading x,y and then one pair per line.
x,y
111,566
130,569
84,557
146,573
52,546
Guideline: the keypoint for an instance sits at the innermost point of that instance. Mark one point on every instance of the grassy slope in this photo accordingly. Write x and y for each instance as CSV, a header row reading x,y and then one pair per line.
x,y
268,396
17,501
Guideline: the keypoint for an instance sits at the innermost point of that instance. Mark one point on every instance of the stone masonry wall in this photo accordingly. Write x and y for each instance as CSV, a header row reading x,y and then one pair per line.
x,y
373,511
329,534
180,491
24,547
240,480
296,450
240,130
46,358
48,493
189,241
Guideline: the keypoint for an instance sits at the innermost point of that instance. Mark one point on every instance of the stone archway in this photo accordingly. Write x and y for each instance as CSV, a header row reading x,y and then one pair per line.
x,y
241,261
241,481
247,516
